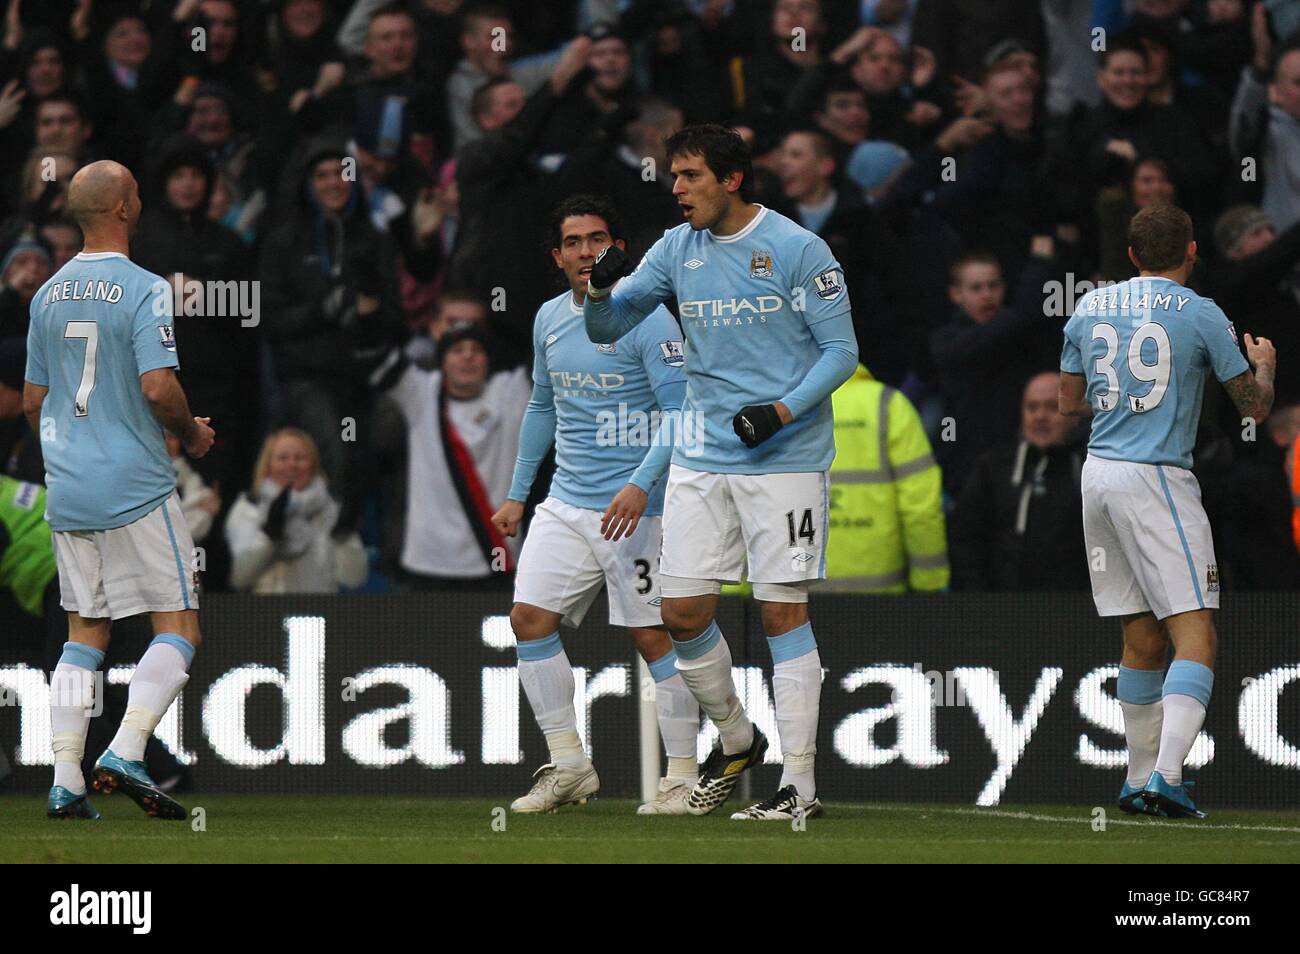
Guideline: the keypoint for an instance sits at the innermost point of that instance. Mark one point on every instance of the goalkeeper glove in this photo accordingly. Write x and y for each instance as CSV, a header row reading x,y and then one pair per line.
x,y
611,264
756,423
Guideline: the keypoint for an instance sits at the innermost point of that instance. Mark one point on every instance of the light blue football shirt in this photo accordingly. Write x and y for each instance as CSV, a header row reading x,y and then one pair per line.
x,y
759,309
608,402
1145,346
96,326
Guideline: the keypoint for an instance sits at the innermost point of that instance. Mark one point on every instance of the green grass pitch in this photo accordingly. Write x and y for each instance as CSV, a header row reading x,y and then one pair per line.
x,y
291,828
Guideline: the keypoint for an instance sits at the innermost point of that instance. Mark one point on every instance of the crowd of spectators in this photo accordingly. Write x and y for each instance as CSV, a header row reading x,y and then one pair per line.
x,y
384,172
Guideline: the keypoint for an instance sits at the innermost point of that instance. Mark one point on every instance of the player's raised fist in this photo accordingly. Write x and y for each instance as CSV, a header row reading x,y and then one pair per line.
x,y
611,264
756,423
1260,351
507,518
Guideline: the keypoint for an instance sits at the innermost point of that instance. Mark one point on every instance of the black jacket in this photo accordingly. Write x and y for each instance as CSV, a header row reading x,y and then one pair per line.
x,y
1018,524
303,261
982,370
1262,548
505,202
1258,294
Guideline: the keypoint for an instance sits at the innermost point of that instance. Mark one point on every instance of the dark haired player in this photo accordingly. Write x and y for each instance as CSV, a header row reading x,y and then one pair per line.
x,y
599,526
1135,358
769,338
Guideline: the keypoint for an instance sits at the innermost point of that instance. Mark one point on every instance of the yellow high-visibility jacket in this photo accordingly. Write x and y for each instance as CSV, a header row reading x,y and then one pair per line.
x,y
886,518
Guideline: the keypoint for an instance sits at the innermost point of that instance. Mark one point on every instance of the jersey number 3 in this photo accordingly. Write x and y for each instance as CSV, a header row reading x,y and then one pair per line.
x,y
1157,373
88,330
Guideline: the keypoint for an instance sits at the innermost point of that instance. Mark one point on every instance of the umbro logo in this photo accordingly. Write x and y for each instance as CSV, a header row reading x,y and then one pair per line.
x,y
694,263
551,339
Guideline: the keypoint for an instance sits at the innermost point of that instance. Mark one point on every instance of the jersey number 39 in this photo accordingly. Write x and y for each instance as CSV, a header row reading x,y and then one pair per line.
x,y
1157,373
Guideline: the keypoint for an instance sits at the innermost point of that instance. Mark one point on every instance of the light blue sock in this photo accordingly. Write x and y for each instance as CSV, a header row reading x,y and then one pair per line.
x,y
547,678
797,691
1186,696
1139,686
81,656
665,667
701,644
1138,692
797,642
1188,678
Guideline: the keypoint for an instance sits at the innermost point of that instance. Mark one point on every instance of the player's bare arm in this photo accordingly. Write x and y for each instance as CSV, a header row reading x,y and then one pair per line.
x,y
33,400
1072,397
1252,391
162,389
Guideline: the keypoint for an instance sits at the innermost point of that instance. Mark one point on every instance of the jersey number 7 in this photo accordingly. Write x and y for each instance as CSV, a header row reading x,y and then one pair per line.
x,y
88,330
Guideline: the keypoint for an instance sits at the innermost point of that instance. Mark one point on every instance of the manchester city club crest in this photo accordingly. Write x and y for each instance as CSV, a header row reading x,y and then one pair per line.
x,y
760,264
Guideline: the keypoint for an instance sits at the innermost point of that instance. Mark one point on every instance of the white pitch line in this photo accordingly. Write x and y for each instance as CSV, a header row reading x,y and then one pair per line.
x,y
1190,824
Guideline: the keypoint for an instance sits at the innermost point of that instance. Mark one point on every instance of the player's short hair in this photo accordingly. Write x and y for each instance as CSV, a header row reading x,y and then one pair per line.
x,y
584,204
1121,44
722,150
1158,236
263,465
976,257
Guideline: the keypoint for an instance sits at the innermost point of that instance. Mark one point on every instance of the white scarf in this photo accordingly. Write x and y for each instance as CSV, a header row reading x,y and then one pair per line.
x,y
311,510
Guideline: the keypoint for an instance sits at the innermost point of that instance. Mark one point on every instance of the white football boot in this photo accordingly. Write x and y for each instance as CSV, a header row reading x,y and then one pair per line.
x,y
670,799
554,786
785,805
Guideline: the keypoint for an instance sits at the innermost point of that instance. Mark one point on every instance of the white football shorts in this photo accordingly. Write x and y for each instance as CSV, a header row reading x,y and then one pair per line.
x,y
1148,539
143,567
566,560
717,525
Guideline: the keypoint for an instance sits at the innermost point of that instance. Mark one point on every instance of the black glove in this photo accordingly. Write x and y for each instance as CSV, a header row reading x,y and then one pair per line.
x,y
275,517
611,264
756,423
